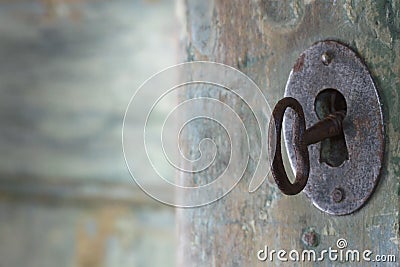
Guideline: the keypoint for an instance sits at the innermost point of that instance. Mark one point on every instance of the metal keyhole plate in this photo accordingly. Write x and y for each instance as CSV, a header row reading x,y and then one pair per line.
x,y
342,189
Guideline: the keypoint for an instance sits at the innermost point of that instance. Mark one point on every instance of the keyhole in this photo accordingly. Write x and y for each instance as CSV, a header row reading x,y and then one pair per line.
x,y
333,150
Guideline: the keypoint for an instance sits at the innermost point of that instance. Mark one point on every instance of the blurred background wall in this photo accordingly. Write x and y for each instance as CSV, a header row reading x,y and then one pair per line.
x,y
67,71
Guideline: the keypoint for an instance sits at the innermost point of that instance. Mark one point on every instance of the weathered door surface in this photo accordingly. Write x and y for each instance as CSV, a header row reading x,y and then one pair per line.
x,y
67,72
263,38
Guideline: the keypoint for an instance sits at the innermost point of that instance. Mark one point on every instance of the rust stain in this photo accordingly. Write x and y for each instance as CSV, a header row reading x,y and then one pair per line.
x,y
298,66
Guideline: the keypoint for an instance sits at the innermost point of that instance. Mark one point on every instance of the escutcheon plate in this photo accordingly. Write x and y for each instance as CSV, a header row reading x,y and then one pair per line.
x,y
344,189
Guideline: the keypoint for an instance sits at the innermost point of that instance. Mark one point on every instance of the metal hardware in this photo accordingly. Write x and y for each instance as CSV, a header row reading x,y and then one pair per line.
x,y
329,127
340,173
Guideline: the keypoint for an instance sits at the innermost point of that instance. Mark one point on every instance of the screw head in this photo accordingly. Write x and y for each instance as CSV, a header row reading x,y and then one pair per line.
x,y
310,238
326,58
337,195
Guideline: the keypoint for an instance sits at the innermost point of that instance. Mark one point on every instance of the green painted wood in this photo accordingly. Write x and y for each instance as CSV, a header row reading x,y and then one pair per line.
x,y
66,81
263,39
67,72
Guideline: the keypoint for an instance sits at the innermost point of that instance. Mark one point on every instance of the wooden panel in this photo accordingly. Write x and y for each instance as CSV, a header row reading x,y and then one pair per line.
x,y
105,235
264,39
66,81
67,72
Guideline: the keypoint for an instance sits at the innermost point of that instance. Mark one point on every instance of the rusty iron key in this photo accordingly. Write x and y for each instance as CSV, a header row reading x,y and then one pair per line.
x,y
329,127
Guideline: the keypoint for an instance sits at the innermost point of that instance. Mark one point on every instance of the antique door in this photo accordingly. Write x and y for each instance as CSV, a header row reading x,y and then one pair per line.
x,y
263,39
